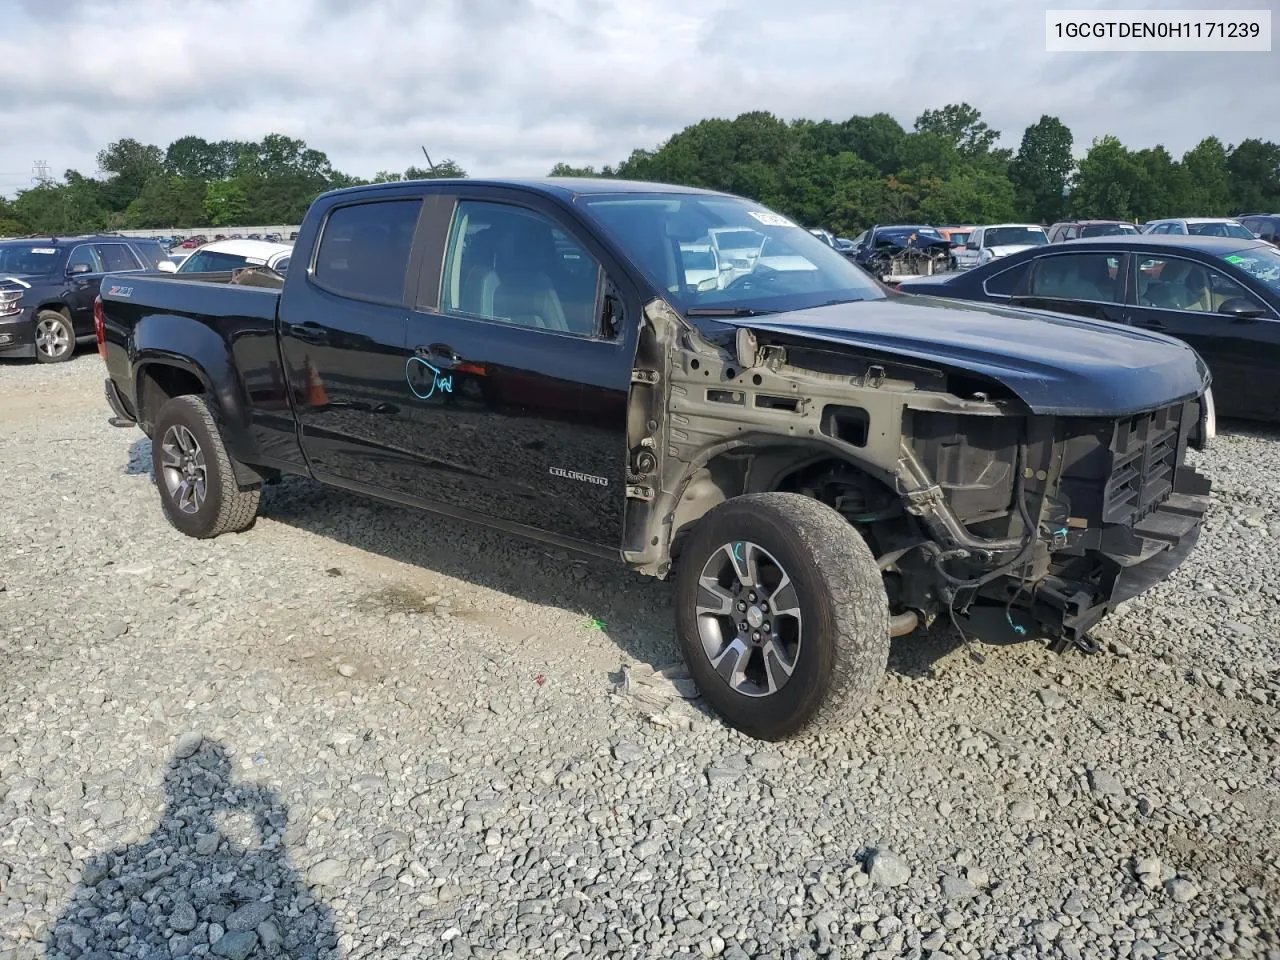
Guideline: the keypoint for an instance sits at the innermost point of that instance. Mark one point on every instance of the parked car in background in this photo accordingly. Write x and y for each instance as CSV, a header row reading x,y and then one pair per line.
x,y
254,236
272,237
957,236
47,289
1264,226
1076,229
701,265
894,252
1200,227
192,242
998,240
1219,294
233,254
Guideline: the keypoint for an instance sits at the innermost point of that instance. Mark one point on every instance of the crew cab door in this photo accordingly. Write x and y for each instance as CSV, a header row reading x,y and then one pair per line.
x,y
342,329
519,356
1084,284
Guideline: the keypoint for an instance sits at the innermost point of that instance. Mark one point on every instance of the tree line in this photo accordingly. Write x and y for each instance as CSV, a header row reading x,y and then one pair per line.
x,y
847,175
192,183
842,175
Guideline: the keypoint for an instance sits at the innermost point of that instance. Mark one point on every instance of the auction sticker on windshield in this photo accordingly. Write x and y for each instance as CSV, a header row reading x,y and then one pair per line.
x,y
44,249
771,219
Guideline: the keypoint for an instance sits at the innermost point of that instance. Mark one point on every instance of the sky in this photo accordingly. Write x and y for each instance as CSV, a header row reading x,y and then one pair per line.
x,y
510,87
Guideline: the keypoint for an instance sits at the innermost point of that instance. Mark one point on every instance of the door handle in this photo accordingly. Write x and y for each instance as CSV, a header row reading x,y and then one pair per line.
x,y
438,354
308,332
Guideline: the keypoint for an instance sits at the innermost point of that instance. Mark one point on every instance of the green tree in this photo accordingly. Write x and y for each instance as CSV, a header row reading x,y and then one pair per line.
x,y
444,170
1110,182
168,202
1254,167
962,125
567,170
226,204
1209,181
130,165
194,158
1041,171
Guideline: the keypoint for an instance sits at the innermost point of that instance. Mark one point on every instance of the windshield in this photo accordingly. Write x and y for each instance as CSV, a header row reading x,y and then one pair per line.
x,y
1107,229
1014,236
1221,229
1260,262
28,258
766,263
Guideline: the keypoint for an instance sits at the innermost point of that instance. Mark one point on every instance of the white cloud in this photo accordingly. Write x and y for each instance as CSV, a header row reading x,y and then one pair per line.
x,y
512,86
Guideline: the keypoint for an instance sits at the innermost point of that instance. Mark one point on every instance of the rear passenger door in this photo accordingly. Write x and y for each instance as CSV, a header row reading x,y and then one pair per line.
x,y
342,330
519,369
1084,284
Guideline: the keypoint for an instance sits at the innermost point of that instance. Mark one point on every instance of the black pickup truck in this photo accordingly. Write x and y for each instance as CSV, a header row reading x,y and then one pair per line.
x,y
818,463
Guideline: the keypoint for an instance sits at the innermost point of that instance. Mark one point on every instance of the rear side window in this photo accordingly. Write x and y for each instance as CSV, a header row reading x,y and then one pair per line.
x,y
117,256
1078,276
364,250
1006,282
151,251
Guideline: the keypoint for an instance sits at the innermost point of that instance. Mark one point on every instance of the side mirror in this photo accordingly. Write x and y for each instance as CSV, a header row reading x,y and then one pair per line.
x,y
1240,308
167,266
78,268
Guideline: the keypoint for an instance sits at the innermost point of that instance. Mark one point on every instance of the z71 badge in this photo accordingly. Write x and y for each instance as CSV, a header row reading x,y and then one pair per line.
x,y
118,291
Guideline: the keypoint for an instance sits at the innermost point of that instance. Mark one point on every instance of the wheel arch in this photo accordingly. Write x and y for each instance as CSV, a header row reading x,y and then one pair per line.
x,y
760,463
56,305
160,378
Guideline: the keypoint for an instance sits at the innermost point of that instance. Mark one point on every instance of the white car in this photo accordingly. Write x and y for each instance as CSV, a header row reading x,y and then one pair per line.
x,y
998,240
700,264
234,254
1201,227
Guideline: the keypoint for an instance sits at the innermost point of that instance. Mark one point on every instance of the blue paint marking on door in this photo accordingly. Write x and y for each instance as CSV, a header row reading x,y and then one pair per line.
x,y
438,380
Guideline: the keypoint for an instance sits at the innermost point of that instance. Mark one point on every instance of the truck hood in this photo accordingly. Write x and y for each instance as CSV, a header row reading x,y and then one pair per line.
x,y
1057,365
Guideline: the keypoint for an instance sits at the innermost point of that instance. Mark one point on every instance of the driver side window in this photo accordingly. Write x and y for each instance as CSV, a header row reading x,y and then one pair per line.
x,y
513,265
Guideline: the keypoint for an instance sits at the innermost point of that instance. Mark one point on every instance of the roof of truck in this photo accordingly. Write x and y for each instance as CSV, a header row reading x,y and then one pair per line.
x,y
563,187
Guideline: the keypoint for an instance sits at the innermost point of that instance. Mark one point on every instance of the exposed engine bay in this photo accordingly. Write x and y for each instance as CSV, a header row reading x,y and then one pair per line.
x,y
899,255
964,494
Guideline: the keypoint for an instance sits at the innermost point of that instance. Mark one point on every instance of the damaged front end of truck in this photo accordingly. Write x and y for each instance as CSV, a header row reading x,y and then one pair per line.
x,y
969,475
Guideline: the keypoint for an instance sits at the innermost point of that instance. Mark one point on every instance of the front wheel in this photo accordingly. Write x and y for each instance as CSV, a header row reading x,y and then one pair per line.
x,y
782,614
55,337
197,482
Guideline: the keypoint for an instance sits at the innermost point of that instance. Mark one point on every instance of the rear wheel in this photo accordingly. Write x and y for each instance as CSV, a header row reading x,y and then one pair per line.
x,y
55,337
193,471
782,614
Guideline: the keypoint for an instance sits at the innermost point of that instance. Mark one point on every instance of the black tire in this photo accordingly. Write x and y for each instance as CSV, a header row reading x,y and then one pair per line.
x,y
57,324
224,507
839,593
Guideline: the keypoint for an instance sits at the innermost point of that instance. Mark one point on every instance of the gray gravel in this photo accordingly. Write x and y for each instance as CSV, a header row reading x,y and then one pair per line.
x,y
359,731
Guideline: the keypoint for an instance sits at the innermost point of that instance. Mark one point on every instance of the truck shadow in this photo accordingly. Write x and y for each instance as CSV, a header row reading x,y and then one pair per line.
x,y
198,885
635,612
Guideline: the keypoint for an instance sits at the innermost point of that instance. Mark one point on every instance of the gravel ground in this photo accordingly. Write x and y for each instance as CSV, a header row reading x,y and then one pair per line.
x,y
360,731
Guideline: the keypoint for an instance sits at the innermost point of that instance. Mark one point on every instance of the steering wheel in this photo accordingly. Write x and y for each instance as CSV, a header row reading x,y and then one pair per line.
x,y
759,276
